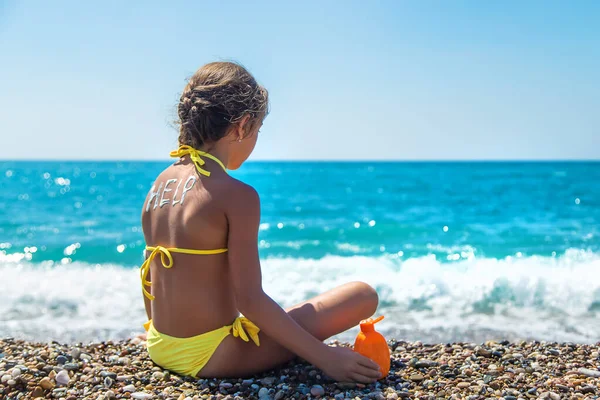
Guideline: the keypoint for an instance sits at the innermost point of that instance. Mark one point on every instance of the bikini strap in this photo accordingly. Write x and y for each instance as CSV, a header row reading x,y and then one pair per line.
x,y
245,329
192,251
167,261
196,156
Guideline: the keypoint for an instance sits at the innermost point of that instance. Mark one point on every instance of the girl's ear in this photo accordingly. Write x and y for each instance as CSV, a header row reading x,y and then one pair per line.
x,y
241,127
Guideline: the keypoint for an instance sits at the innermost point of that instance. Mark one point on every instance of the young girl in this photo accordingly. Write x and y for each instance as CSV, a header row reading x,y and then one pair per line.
x,y
202,267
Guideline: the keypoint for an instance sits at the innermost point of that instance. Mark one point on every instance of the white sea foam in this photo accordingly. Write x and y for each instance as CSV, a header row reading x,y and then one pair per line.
x,y
476,299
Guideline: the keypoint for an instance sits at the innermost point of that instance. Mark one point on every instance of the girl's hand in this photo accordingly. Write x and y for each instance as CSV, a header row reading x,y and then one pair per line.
x,y
345,365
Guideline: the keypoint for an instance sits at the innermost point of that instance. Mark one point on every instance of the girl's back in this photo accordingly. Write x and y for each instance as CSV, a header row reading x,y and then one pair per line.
x,y
187,211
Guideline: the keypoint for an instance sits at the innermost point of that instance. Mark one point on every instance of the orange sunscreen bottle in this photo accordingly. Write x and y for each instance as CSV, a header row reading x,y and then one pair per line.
x,y
372,344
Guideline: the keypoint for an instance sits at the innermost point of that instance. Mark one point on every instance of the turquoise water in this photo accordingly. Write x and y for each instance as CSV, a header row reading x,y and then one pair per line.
x,y
456,250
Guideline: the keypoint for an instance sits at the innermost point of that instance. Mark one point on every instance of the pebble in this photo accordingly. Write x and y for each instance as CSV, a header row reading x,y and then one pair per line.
x,y
377,396
562,387
263,393
37,392
76,353
463,385
46,383
136,341
157,375
426,364
141,395
62,378
588,389
268,381
16,372
61,359
589,372
483,352
549,395
416,377
109,374
128,388
345,385
317,390
71,366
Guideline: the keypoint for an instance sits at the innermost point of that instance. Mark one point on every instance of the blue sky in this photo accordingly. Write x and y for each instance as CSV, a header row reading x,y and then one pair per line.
x,y
374,80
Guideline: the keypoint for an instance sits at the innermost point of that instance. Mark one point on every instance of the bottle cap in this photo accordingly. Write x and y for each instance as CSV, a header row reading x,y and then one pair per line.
x,y
366,325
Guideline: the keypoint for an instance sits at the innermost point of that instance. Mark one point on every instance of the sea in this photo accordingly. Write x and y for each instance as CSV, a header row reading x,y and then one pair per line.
x,y
458,251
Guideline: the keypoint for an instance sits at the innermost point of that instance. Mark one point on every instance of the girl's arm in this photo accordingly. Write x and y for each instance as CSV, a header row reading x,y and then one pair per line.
x,y
243,212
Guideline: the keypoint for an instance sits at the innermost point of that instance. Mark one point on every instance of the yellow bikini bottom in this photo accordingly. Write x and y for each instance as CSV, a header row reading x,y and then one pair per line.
x,y
187,356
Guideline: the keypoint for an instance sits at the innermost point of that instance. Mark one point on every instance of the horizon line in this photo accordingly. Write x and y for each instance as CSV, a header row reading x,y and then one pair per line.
x,y
303,160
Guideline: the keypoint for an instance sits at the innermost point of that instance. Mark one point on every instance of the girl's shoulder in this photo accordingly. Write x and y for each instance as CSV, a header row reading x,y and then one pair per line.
x,y
242,191
241,197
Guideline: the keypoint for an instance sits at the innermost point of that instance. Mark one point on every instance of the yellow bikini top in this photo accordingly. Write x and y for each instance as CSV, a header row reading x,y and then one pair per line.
x,y
165,253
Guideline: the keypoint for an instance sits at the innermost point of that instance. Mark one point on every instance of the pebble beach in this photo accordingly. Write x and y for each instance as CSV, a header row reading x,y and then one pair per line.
x,y
490,370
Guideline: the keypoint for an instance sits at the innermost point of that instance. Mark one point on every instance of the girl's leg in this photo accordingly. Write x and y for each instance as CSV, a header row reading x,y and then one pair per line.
x,y
324,316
